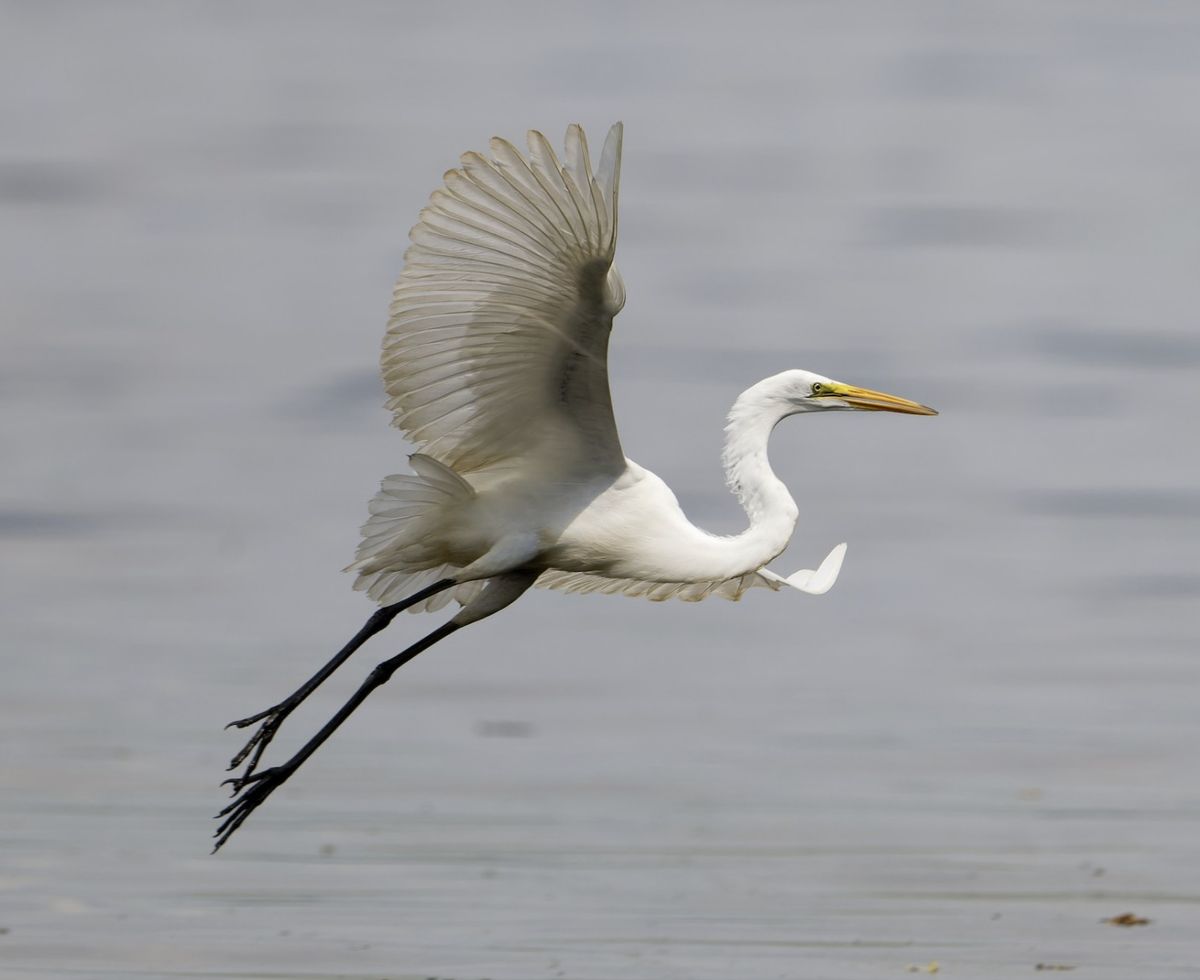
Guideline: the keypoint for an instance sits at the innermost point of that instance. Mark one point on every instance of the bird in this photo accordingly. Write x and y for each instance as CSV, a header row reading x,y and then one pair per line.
x,y
495,367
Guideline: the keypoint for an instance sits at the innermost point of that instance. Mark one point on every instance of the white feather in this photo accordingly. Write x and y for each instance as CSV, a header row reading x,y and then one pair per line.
x,y
813,582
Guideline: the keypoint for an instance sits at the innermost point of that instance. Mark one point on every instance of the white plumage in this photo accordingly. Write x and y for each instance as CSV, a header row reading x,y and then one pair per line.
x,y
495,366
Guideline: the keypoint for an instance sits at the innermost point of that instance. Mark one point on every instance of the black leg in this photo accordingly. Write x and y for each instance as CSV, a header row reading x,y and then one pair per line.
x,y
254,788
273,717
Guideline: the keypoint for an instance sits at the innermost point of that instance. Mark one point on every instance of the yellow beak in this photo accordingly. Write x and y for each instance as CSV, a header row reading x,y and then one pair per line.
x,y
877,401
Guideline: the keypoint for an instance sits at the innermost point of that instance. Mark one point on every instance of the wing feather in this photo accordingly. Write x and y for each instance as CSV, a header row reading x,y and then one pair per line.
x,y
497,341
584,582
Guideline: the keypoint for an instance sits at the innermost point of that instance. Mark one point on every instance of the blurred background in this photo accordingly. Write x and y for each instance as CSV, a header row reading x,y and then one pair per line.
x,y
977,747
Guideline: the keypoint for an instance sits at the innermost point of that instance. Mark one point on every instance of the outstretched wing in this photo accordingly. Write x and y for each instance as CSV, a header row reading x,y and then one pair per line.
x,y
497,344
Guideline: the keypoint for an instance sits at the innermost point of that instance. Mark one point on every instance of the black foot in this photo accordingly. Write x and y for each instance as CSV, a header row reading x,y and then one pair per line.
x,y
271,719
253,790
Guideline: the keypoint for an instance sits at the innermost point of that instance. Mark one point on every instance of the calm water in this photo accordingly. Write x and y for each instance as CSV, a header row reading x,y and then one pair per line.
x,y
978,746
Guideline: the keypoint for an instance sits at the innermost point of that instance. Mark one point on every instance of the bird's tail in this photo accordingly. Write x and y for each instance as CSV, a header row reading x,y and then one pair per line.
x,y
401,549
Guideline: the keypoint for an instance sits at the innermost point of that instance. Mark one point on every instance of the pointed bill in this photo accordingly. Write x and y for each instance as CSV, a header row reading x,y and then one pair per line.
x,y
877,401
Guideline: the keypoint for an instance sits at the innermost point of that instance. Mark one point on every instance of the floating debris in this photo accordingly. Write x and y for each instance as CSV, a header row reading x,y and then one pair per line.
x,y
1126,919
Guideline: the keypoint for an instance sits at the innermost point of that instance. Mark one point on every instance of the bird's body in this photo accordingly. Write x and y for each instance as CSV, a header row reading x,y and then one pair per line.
x,y
495,366
625,526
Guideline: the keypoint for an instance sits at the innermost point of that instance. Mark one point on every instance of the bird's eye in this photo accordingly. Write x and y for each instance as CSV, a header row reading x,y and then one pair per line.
x,y
818,388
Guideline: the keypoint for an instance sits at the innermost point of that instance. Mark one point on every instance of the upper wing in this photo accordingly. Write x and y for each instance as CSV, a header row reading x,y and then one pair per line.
x,y
498,339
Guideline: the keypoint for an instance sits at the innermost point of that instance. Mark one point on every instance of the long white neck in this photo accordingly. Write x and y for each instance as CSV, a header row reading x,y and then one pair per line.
x,y
770,508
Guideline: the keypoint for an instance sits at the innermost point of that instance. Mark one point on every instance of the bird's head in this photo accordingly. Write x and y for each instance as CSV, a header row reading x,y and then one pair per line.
x,y
802,391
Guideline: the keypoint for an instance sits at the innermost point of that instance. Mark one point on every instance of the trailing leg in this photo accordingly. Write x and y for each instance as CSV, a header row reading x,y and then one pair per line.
x,y
253,788
273,717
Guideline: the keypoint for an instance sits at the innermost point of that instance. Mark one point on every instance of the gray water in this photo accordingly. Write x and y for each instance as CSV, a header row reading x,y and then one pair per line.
x,y
979,746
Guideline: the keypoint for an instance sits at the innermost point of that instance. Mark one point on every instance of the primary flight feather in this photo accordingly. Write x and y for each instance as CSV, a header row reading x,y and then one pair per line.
x,y
495,367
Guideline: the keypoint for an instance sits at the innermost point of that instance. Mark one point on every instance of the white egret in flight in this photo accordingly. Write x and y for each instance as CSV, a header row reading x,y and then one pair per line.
x,y
495,367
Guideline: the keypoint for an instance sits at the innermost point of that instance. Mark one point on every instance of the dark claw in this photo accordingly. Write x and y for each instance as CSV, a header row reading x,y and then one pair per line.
x,y
239,783
254,790
242,723
271,719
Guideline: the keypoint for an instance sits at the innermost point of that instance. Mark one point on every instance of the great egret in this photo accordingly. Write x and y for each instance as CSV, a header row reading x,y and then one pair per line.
x,y
494,363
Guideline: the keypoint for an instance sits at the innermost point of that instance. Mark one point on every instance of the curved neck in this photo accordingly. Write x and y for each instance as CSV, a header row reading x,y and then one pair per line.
x,y
770,508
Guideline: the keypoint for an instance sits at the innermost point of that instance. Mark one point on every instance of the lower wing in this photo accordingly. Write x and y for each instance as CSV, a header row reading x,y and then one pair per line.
x,y
814,582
